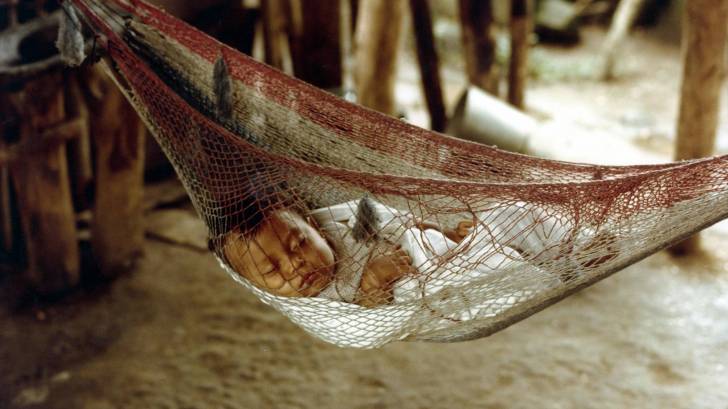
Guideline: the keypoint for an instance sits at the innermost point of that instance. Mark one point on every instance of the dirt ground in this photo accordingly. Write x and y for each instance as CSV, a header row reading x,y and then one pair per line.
x,y
178,333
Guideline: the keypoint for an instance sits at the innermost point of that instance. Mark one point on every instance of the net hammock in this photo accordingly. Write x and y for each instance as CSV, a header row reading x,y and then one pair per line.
x,y
363,229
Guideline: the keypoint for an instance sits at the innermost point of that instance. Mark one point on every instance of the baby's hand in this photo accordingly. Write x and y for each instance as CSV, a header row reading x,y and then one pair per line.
x,y
380,273
462,230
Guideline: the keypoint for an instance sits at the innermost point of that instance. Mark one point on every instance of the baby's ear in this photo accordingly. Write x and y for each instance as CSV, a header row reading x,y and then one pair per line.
x,y
367,221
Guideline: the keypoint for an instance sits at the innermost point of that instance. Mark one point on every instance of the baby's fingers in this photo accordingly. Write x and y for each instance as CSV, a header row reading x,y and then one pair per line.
x,y
466,224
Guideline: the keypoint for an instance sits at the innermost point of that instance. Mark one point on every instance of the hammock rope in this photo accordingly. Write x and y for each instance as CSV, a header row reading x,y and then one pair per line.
x,y
422,236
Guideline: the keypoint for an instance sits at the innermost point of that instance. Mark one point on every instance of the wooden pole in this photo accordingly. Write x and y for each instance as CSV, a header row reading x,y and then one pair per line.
x,y
117,229
704,69
79,148
6,212
377,43
43,190
622,21
476,17
520,33
429,63
274,31
316,42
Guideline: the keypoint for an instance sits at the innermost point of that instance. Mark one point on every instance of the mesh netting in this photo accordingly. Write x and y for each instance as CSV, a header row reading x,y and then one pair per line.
x,y
364,229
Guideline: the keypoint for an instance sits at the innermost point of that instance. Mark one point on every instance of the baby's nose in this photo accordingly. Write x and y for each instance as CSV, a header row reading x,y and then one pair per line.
x,y
289,270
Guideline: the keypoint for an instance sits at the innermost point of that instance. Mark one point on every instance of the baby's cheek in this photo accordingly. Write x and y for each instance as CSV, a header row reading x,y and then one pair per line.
x,y
274,281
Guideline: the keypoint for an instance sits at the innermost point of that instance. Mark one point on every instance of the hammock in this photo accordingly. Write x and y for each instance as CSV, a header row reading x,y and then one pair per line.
x,y
246,139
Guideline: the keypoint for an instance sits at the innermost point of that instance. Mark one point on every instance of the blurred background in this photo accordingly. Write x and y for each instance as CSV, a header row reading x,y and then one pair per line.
x,y
109,297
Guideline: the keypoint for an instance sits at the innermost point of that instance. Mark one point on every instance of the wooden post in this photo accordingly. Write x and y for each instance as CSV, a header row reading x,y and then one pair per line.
x,y
479,45
315,42
6,212
117,230
622,21
520,33
274,31
429,63
79,148
704,70
43,190
377,42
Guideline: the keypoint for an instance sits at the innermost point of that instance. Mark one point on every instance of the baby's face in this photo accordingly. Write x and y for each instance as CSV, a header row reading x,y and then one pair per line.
x,y
287,257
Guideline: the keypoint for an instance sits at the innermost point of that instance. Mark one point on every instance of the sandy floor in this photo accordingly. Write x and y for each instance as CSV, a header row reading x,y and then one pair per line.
x,y
178,333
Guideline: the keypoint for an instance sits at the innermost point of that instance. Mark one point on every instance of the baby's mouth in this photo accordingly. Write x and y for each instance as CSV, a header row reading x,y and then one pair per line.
x,y
315,275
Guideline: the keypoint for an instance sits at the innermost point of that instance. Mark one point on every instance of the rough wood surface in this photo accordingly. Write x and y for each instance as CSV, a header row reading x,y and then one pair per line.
x,y
117,230
704,70
476,18
521,23
377,40
316,42
43,190
429,63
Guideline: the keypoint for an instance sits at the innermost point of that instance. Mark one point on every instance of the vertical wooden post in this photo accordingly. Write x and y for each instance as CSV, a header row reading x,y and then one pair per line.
x,y
274,31
8,127
520,33
43,190
479,45
79,148
6,212
704,69
354,7
377,42
315,42
429,63
623,19
117,230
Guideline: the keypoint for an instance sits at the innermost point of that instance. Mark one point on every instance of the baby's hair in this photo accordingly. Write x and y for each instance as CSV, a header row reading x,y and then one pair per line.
x,y
258,198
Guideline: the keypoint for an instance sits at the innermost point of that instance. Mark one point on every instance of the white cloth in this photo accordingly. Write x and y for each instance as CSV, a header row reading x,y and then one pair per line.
x,y
439,261
337,223
544,238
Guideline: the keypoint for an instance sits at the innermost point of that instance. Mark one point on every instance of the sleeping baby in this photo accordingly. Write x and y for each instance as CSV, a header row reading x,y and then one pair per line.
x,y
367,253
350,252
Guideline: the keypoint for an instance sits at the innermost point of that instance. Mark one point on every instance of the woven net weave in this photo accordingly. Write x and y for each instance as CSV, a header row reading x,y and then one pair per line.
x,y
248,141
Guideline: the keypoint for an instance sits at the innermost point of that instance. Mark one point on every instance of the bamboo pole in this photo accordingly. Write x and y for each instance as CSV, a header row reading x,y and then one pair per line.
x,y
479,45
429,63
622,21
521,15
117,229
704,69
315,42
377,43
